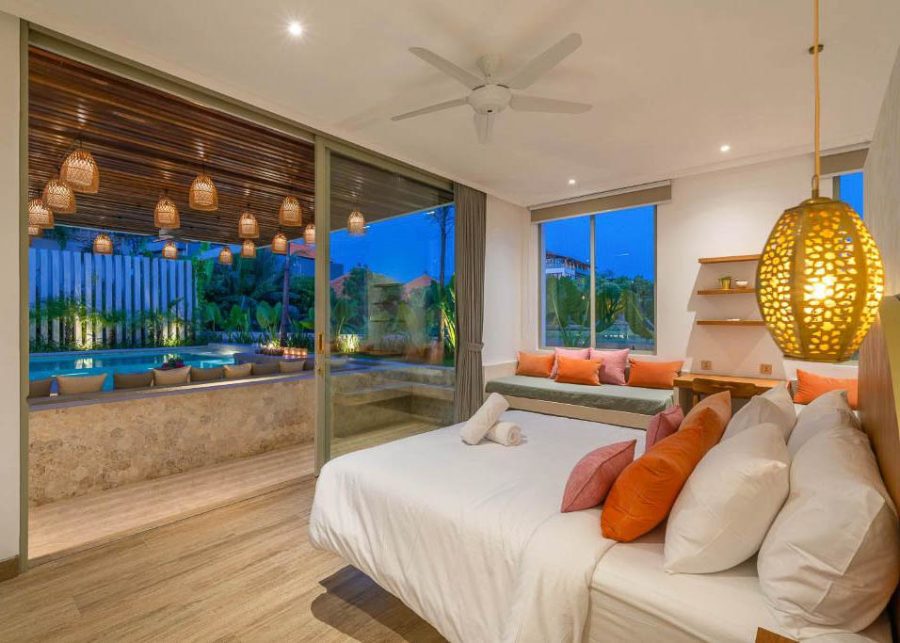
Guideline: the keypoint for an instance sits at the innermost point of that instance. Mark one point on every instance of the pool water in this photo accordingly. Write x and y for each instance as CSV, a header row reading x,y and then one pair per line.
x,y
124,361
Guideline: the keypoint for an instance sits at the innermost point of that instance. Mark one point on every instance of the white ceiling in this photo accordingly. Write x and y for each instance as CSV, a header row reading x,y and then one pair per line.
x,y
670,80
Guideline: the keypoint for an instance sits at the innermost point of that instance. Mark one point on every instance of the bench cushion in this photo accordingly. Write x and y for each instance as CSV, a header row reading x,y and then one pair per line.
x,y
646,401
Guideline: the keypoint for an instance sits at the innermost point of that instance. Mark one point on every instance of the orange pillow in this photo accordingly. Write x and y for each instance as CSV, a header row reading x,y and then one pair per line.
x,y
720,403
710,424
643,494
653,374
535,364
810,386
571,370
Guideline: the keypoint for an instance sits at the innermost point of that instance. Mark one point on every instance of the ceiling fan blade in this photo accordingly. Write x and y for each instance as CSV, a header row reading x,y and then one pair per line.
x,y
549,105
456,102
484,123
544,62
467,78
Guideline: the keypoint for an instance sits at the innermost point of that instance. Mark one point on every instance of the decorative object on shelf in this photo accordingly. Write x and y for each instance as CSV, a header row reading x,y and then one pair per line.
x,y
59,197
820,279
741,283
226,257
81,171
170,250
279,244
309,234
248,249
290,214
39,214
725,283
35,230
356,223
165,214
203,195
103,244
248,227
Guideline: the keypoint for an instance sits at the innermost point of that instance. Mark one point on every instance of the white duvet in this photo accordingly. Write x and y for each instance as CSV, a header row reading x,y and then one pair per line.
x,y
471,537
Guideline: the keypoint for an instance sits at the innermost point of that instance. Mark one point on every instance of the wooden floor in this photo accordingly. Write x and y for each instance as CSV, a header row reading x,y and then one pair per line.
x,y
245,572
67,526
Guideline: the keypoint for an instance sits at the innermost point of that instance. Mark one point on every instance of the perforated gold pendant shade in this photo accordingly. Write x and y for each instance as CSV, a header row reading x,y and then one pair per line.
x,y
59,196
203,195
819,281
80,170
165,214
248,227
290,214
39,214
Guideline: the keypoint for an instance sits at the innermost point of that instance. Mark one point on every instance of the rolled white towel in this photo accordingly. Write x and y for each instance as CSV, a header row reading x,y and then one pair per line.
x,y
506,433
484,418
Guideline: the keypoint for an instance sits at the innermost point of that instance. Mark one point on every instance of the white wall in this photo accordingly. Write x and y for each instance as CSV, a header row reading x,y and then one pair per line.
x,y
506,260
9,287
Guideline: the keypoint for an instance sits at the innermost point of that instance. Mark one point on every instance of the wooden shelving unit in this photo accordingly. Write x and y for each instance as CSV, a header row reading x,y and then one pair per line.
x,y
726,291
729,259
730,322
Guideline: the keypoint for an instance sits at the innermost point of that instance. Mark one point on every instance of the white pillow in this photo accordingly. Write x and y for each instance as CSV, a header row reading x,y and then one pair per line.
x,y
473,431
774,406
726,507
825,412
831,559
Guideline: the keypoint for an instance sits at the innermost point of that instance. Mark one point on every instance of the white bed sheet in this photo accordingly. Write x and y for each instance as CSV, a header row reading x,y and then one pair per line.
x,y
471,537
633,599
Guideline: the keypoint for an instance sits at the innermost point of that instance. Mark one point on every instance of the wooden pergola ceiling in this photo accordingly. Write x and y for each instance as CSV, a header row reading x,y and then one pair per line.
x,y
147,142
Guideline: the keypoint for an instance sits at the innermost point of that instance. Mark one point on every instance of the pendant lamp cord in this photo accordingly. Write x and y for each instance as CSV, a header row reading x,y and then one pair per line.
x,y
815,53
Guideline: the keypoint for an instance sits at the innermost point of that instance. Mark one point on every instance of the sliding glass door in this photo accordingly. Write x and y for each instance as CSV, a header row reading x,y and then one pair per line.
x,y
386,351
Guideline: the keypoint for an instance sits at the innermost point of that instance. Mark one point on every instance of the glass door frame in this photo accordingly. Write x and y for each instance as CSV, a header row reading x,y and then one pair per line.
x,y
325,147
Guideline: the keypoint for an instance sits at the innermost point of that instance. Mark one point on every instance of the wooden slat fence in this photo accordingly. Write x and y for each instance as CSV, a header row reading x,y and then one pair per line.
x,y
82,300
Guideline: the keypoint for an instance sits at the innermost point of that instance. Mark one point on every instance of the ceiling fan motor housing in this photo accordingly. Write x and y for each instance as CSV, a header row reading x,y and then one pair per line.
x,y
490,99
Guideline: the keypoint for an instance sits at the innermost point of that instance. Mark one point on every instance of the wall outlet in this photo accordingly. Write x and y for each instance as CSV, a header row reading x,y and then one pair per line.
x,y
765,369
705,365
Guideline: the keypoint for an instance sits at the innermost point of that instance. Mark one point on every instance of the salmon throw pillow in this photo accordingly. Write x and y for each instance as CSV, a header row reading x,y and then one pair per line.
x,y
594,474
643,494
653,374
810,386
577,371
535,364
663,424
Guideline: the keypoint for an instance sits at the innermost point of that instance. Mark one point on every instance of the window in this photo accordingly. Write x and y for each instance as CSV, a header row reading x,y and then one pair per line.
x,y
617,249
849,188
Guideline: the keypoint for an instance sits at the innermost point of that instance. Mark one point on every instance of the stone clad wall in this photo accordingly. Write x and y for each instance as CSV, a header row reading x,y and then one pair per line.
x,y
76,450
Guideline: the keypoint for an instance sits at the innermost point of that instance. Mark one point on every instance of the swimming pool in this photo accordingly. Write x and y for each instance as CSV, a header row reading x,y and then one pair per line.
x,y
122,361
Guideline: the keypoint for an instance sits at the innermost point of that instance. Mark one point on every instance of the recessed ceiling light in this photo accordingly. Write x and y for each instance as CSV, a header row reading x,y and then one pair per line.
x,y
295,28
571,181
725,148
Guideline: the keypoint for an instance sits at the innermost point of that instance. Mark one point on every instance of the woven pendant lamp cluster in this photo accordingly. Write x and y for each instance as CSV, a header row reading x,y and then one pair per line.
x,y
226,257
165,214
820,278
203,195
248,226
248,249
170,250
103,244
39,214
80,171
279,244
356,223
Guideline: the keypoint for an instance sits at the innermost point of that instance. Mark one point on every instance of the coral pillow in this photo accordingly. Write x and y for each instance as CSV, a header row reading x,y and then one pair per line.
x,y
710,424
663,424
535,364
572,353
612,369
720,403
653,374
594,474
577,371
810,386
645,491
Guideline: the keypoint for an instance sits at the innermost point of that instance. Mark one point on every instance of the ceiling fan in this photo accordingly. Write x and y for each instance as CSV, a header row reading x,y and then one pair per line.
x,y
490,95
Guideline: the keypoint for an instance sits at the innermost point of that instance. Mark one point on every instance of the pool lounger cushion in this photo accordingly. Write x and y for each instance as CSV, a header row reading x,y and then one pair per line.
x,y
207,374
632,399
77,384
264,368
132,380
292,365
40,388
237,371
171,376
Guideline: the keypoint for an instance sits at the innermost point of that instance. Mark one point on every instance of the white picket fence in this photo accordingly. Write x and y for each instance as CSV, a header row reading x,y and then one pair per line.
x,y
142,288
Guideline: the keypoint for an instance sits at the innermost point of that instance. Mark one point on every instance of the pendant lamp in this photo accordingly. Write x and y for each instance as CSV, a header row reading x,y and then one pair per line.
x,y
290,214
170,250
103,244
820,278
59,196
248,249
39,214
309,234
80,170
226,258
356,223
279,244
35,230
165,215
248,227
203,195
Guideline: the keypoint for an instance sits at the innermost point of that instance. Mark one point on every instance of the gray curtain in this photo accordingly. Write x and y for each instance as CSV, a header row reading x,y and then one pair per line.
x,y
470,234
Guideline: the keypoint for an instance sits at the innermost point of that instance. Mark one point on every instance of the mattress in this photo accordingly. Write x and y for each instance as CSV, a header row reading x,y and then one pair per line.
x,y
633,399
633,599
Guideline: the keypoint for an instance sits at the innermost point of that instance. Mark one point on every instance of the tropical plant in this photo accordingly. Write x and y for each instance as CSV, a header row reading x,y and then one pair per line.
x,y
269,319
615,298
567,309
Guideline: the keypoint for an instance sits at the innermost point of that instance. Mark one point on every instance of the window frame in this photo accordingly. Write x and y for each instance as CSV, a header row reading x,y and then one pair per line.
x,y
542,282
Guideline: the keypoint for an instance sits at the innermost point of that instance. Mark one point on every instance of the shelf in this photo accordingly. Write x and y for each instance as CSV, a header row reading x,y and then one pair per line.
x,y
730,322
729,259
727,291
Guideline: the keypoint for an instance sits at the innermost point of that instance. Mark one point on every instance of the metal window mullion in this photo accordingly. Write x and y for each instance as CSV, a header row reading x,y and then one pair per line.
x,y
593,255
